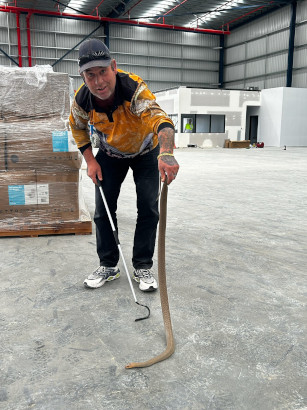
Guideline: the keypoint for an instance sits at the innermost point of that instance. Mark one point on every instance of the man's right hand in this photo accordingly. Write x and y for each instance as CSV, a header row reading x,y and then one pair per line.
x,y
94,171
93,168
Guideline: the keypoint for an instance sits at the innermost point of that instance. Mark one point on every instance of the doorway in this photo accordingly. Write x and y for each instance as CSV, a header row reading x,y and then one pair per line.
x,y
253,129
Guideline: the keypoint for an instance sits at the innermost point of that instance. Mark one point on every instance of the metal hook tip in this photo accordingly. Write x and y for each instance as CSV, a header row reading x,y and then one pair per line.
x,y
145,317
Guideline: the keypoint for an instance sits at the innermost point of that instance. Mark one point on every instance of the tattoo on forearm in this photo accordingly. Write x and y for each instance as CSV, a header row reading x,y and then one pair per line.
x,y
166,140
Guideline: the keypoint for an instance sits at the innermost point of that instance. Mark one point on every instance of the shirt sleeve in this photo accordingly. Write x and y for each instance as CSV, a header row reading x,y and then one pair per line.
x,y
144,105
78,121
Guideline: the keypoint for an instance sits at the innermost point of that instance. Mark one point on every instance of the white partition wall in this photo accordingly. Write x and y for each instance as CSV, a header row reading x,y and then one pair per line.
x,y
283,119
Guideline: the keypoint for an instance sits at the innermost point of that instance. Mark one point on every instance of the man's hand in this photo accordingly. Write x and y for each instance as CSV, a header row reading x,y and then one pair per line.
x,y
93,168
167,163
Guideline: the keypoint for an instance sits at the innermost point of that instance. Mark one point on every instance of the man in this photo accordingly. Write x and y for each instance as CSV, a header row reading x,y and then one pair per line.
x,y
135,133
189,126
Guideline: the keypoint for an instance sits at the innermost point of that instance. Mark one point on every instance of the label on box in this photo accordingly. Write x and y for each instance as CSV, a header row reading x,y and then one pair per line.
x,y
62,141
42,193
28,194
16,194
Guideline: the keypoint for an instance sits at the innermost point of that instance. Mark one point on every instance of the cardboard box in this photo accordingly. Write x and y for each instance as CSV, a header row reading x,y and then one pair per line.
x,y
42,160
29,197
239,144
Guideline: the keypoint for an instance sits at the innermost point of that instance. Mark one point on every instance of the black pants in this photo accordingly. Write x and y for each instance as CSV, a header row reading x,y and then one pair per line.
x,y
146,178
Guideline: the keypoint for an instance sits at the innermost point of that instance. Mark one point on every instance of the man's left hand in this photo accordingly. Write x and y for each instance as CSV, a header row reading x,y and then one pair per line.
x,y
168,165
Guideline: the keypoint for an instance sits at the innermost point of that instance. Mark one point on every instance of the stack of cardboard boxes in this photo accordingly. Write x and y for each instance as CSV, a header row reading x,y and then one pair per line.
x,y
39,161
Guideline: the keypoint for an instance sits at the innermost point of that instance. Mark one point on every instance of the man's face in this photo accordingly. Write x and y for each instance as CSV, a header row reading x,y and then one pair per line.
x,y
101,81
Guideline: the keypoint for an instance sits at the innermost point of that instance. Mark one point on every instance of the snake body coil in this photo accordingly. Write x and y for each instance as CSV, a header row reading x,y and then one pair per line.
x,y
170,346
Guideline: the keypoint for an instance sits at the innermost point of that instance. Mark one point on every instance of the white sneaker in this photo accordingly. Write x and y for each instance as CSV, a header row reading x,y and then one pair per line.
x,y
147,283
100,276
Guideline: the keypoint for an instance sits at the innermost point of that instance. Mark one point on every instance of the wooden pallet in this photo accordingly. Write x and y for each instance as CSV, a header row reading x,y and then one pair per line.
x,y
41,229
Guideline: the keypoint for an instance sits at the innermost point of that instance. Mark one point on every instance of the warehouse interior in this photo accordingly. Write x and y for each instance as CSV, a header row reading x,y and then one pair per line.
x,y
232,76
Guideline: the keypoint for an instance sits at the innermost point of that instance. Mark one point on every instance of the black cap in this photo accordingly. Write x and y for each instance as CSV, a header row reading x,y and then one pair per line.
x,y
93,53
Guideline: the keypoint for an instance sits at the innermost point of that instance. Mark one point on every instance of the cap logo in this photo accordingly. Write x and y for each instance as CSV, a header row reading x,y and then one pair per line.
x,y
99,53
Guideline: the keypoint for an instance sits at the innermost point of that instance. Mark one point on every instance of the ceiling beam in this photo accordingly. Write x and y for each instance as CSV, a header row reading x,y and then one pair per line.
x,y
12,9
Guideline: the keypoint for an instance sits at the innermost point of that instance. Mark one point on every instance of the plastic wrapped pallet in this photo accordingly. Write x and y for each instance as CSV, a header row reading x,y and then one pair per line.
x,y
39,162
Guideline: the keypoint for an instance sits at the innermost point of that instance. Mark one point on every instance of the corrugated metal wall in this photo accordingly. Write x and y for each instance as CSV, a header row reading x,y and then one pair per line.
x,y
51,38
256,55
166,58
163,58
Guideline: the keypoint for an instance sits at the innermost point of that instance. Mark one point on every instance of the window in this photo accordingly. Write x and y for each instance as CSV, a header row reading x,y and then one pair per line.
x,y
188,123
203,123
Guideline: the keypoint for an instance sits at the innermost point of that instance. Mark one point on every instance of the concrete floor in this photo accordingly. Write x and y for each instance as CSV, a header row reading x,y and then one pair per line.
x,y
236,264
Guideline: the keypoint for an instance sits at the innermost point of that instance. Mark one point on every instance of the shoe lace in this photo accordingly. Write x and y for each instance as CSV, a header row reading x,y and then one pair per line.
x,y
102,271
144,273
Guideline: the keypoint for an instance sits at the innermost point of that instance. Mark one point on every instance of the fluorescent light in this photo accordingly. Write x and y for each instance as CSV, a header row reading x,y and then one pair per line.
x,y
159,9
75,4
210,15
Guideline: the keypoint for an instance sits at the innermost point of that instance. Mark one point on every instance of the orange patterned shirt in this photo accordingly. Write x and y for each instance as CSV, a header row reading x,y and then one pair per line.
x,y
130,128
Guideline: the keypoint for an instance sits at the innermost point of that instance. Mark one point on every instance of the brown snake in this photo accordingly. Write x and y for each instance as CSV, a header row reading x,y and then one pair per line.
x,y
170,346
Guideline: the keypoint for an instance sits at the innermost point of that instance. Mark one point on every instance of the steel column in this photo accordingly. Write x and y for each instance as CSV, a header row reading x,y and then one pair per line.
x,y
19,40
107,34
221,61
29,39
291,44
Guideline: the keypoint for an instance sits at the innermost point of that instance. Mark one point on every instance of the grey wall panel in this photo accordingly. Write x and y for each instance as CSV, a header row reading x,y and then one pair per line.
x,y
156,74
255,68
199,65
256,48
201,77
300,58
140,71
129,47
234,73
301,11
130,59
276,81
201,54
301,34
300,78
277,63
165,50
235,54
277,41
